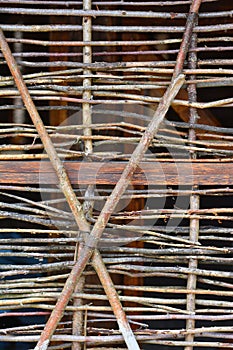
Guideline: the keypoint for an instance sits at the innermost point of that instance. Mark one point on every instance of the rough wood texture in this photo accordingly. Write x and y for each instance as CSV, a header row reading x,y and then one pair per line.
x,y
206,173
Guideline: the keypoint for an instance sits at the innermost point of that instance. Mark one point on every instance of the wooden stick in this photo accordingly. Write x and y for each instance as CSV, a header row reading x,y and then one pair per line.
x,y
206,173
194,199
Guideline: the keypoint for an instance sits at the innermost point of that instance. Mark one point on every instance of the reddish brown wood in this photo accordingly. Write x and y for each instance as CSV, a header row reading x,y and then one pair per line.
x,y
205,173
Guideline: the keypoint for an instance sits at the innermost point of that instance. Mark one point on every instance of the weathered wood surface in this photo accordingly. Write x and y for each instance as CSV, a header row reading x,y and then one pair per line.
x,y
170,173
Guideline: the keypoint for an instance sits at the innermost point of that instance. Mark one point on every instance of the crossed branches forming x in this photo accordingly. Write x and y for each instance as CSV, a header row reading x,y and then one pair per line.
x,y
88,249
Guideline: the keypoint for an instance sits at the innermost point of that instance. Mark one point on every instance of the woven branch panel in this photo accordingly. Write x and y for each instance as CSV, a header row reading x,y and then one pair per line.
x,y
159,270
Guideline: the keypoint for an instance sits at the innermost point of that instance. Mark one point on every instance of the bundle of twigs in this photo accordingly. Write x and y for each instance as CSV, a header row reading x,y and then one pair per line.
x,y
111,91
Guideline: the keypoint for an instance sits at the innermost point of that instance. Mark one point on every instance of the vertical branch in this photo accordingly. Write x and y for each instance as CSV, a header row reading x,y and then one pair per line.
x,y
87,120
18,113
194,199
87,95
87,58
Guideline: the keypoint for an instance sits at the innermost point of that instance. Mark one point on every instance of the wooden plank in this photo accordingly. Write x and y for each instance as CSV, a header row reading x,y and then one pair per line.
x,y
84,173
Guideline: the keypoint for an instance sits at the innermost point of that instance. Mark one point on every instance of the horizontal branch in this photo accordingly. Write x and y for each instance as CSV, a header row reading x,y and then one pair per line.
x,y
149,173
113,13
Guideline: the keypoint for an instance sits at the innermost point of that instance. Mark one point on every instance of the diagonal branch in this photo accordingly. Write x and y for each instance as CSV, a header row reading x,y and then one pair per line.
x,y
94,236
77,211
